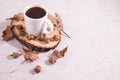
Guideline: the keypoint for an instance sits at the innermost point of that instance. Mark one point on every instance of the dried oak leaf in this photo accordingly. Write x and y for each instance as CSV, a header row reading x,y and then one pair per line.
x,y
61,53
7,33
59,20
57,53
52,60
41,37
60,23
53,20
30,36
17,17
30,55
20,16
15,55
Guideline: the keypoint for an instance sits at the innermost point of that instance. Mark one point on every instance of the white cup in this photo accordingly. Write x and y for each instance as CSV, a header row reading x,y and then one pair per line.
x,y
35,23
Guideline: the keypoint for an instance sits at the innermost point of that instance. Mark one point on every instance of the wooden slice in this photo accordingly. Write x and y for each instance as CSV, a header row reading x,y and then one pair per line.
x,y
42,43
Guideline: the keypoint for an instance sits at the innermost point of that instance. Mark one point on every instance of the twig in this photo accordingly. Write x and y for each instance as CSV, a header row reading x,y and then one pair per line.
x,y
9,18
65,33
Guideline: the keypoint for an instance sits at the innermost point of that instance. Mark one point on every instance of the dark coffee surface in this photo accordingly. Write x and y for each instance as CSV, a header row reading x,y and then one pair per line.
x,y
35,12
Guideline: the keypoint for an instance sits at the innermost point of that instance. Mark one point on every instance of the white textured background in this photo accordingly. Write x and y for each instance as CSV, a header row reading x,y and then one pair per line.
x,y
93,50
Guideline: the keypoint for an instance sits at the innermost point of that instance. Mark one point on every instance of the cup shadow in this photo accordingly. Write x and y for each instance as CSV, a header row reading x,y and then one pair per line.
x,y
47,63
9,57
15,44
32,71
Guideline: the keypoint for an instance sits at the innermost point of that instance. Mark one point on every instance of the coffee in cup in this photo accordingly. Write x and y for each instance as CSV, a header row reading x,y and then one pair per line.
x,y
36,20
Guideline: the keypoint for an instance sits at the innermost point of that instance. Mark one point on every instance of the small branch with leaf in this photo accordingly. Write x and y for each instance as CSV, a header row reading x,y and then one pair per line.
x,y
60,23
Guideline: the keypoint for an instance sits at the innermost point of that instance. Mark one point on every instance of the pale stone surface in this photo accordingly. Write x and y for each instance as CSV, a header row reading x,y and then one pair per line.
x,y
93,49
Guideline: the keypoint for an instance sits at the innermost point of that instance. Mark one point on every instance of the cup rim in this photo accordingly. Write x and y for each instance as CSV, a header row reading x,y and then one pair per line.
x,y
30,6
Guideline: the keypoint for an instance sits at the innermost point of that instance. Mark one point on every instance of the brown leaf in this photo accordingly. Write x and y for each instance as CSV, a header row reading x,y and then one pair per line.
x,y
59,20
60,23
52,60
17,17
15,55
56,38
57,53
7,33
41,37
61,53
30,55
20,16
53,20
30,36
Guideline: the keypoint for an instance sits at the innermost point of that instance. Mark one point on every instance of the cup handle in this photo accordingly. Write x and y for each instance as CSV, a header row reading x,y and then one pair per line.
x,y
48,27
